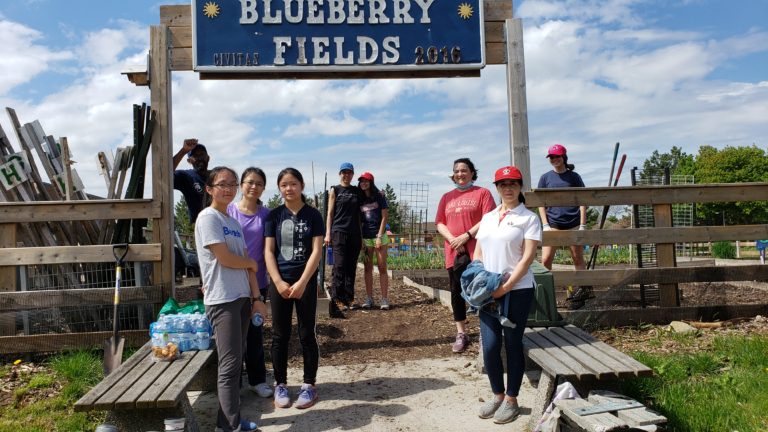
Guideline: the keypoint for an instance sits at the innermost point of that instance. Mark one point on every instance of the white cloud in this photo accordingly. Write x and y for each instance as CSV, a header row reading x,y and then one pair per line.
x,y
23,57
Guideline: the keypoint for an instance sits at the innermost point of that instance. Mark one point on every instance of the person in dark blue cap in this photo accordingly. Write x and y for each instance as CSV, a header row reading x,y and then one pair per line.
x,y
343,234
191,183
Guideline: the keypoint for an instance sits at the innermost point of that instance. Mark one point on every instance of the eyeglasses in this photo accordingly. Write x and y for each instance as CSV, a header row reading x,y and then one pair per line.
x,y
225,186
253,184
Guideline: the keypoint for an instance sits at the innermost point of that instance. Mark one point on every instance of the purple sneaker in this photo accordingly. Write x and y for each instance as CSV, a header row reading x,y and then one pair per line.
x,y
461,343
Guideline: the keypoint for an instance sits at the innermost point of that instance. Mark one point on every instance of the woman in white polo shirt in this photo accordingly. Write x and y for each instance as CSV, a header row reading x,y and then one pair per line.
x,y
506,244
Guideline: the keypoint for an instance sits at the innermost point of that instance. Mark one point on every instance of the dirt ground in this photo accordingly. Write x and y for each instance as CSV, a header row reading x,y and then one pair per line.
x,y
394,370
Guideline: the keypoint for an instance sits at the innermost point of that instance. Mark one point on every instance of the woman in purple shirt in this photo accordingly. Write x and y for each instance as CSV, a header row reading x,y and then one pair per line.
x,y
251,213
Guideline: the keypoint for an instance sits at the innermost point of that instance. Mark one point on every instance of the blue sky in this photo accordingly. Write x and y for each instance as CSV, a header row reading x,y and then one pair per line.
x,y
647,73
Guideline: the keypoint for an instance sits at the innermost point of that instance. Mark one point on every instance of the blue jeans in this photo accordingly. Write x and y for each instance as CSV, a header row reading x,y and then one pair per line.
x,y
518,306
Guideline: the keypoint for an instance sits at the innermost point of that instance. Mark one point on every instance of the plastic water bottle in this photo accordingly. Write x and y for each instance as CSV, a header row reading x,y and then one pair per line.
x,y
203,340
202,332
257,319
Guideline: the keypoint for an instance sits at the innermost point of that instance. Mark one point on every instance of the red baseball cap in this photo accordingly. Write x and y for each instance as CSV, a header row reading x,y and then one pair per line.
x,y
366,176
556,150
507,173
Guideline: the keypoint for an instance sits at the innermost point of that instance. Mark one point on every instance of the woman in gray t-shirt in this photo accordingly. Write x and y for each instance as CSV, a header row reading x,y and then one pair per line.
x,y
231,293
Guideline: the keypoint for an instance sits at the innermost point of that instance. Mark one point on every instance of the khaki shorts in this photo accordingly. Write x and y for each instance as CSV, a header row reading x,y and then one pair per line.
x,y
372,241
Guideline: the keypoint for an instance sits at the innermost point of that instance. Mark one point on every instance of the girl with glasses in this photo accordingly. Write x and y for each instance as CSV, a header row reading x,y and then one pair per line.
x,y
230,292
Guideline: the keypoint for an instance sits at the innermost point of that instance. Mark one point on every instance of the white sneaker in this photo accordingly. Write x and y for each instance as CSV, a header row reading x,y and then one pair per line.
x,y
384,304
282,396
261,389
368,303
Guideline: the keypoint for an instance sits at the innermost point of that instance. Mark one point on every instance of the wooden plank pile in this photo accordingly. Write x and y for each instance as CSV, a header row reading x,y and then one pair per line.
x,y
41,171
21,180
607,411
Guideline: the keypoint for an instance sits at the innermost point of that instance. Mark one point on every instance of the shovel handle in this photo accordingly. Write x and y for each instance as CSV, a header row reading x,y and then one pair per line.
x,y
119,257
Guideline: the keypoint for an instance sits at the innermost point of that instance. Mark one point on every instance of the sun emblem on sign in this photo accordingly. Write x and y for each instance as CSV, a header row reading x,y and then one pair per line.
x,y
465,10
211,10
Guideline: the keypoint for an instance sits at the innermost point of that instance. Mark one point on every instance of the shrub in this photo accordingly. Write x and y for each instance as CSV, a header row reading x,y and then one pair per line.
x,y
724,250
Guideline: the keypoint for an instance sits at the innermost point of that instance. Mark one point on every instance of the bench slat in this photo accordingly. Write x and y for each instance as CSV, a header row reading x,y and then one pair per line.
x,y
540,356
615,367
632,364
549,351
577,355
86,403
135,390
108,400
149,398
172,394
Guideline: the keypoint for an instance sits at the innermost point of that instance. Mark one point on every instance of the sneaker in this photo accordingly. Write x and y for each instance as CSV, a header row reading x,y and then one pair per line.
x,y
506,413
307,396
282,396
461,343
488,409
583,293
245,426
368,303
353,306
261,389
384,304
334,311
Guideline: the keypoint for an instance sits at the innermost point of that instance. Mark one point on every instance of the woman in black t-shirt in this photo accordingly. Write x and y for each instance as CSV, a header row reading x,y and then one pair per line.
x,y
343,235
293,242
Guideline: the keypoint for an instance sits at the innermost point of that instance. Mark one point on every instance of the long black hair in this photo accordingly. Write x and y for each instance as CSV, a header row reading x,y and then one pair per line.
x,y
568,166
469,164
374,190
254,170
294,172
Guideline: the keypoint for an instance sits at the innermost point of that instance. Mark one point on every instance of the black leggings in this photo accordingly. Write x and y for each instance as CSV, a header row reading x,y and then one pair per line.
x,y
458,304
346,249
282,315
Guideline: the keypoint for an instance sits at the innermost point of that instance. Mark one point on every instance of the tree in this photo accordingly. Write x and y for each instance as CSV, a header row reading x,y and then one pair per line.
x,y
181,218
275,201
395,213
678,162
732,165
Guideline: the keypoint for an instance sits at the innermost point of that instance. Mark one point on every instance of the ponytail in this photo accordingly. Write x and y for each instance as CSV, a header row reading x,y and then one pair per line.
x,y
568,166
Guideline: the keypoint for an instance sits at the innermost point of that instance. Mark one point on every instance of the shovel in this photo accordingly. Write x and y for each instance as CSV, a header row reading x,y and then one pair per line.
x,y
113,347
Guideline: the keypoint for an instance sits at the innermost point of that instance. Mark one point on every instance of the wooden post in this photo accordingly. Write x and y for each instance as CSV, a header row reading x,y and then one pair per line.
x,y
665,256
162,147
518,104
8,278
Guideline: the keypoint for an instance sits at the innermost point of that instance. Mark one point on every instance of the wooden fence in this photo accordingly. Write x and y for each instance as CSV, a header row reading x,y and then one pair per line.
x,y
667,275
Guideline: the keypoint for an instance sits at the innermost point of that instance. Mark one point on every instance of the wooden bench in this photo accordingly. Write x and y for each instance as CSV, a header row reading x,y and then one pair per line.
x,y
141,393
570,354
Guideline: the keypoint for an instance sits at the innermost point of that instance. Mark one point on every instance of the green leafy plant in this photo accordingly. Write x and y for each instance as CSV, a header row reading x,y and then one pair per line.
x,y
724,250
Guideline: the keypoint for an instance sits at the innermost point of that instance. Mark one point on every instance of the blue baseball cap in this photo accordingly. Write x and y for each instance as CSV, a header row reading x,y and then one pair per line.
x,y
196,147
346,166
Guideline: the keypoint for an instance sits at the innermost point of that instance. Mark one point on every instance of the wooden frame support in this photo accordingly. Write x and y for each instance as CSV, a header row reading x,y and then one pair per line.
x,y
518,103
7,278
162,148
669,294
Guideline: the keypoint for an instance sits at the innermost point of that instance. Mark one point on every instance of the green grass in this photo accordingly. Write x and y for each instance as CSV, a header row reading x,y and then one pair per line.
x,y
76,372
719,389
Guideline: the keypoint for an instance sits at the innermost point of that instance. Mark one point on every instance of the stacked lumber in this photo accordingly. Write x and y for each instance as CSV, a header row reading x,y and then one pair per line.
x,y
22,180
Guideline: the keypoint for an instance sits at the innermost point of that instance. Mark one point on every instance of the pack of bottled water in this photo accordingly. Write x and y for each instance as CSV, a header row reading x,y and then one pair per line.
x,y
189,332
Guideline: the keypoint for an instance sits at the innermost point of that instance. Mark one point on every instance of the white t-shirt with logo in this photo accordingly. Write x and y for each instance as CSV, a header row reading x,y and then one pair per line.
x,y
222,284
502,238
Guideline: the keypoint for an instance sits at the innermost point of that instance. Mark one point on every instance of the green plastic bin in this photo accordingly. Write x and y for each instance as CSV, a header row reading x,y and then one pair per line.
x,y
544,309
